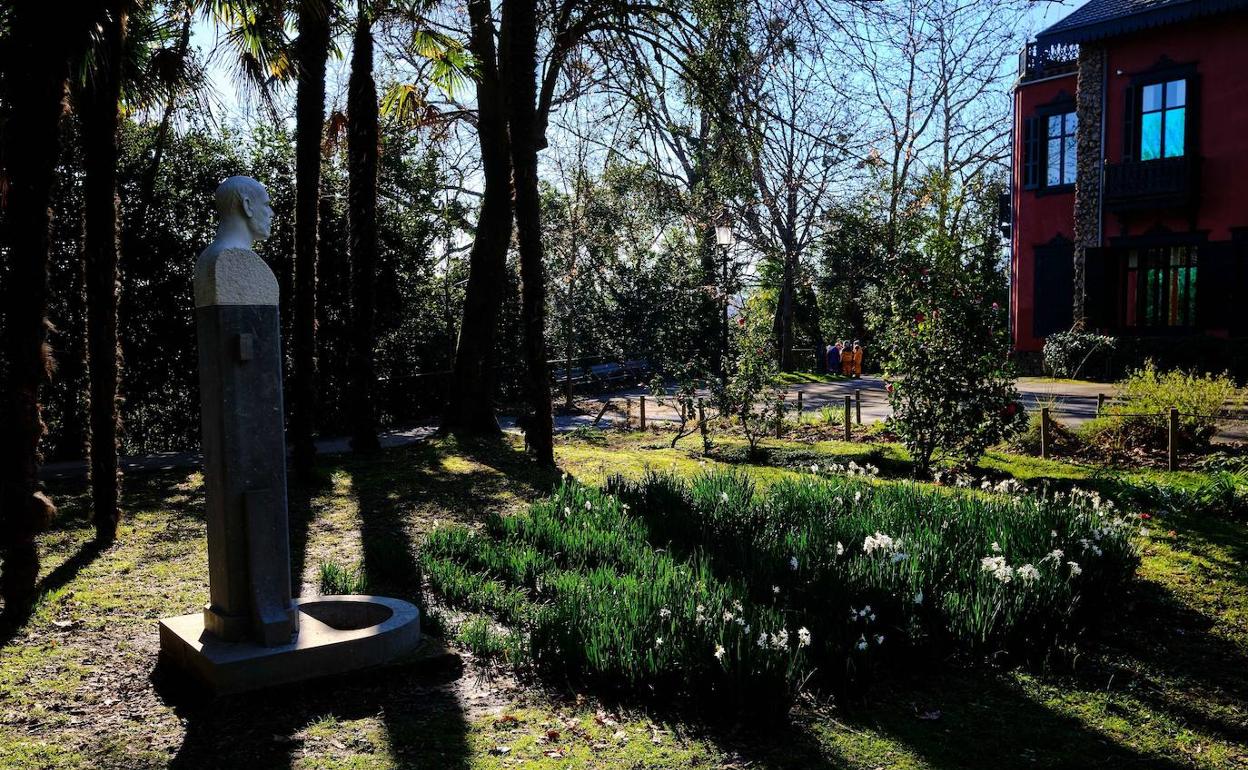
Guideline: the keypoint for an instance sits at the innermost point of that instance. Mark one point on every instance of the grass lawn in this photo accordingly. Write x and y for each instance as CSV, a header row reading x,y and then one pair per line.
x,y
799,378
1165,687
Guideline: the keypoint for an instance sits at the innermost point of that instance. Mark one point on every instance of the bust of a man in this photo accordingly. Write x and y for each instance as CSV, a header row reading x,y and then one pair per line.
x,y
228,272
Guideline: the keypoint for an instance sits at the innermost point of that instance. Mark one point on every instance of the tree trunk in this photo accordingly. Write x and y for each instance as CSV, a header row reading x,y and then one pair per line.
x,y
312,50
470,407
520,32
362,155
39,50
783,324
100,116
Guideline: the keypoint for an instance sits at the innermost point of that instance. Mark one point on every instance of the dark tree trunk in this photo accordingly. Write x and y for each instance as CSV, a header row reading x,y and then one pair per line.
x,y
39,48
100,116
312,50
807,313
470,407
783,324
362,152
520,52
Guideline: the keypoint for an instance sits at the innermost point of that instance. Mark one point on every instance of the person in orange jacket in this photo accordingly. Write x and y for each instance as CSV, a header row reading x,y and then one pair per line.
x,y
847,359
858,351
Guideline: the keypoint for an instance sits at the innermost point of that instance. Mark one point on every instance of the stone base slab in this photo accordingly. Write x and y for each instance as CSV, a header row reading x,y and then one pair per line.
x,y
336,634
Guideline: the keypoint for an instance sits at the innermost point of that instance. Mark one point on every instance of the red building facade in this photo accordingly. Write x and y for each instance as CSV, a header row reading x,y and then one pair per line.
x,y
1129,200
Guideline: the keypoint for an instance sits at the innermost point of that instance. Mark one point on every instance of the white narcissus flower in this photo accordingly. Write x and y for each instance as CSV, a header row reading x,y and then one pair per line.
x,y
762,640
719,652
775,590
1075,569
862,643
589,506
793,563
879,639
567,511
723,496
918,597
658,642
840,549
1028,574
665,613
803,637
996,547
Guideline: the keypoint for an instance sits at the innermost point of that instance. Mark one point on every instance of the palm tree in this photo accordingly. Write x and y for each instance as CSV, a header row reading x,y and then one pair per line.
x,y
99,103
362,158
43,39
311,54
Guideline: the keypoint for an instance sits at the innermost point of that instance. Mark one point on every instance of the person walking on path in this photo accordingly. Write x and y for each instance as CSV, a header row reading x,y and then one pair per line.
x,y
857,355
847,359
834,358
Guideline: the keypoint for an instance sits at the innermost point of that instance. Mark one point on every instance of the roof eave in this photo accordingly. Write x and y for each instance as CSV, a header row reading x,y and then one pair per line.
x,y
1136,22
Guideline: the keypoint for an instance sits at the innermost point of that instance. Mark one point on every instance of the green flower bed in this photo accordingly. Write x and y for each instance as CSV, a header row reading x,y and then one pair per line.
x,y
713,587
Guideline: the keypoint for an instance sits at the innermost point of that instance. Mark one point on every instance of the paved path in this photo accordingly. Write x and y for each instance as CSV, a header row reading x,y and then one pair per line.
x,y
1071,403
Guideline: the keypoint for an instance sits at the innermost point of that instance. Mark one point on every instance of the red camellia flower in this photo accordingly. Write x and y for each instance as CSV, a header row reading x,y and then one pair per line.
x,y
995,306
741,322
1010,409
889,387
919,318
1146,516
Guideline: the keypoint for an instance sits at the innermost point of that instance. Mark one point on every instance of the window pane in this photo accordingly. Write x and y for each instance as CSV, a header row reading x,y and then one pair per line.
x,y
1152,97
1055,162
1071,122
1175,120
1133,260
1055,126
1190,290
1068,161
1150,136
1176,93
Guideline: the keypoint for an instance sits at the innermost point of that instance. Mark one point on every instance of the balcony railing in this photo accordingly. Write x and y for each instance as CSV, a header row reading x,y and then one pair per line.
x,y
1041,60
1151,184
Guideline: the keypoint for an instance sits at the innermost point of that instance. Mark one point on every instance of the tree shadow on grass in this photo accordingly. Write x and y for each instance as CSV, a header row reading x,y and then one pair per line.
x,y
422,719
300,514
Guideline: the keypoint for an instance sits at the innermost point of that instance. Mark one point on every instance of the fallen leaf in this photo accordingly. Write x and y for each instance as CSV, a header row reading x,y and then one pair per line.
x,y
500,750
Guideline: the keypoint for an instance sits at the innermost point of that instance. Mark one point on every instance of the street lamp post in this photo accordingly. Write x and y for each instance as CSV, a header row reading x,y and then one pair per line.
x,y
724,239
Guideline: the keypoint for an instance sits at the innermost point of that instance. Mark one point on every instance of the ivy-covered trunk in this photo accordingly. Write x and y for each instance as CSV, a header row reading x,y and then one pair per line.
x,y
520,32
470,407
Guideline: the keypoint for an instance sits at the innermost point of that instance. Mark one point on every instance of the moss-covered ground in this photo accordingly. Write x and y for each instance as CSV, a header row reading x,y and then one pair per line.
x,y
1165,687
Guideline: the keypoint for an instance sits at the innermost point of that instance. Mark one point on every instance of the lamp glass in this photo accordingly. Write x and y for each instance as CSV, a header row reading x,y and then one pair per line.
x,y
723,235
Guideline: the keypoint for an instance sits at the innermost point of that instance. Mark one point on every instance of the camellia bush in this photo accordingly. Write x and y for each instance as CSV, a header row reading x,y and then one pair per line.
x,y
951,384
751,394
713,588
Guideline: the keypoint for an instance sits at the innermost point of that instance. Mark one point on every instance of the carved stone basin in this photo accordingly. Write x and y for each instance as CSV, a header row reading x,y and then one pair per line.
x,y
336,634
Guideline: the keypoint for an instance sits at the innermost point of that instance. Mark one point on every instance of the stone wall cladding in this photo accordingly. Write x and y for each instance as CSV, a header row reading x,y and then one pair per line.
x,y
1089,101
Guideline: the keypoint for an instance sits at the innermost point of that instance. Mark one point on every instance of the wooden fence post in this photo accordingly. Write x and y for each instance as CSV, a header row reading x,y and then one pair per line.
x,y
641,412
628,412
799,405
849,435
1100,403
1172,436
1044,433
858,405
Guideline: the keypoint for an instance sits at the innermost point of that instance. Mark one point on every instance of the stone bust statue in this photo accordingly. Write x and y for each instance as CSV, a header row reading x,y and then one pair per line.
x,y
228,272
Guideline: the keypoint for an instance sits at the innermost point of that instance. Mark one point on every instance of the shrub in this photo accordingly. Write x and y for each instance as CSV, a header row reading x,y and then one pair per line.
x,y
711,587
952,387
751,394
1069,353
1149,394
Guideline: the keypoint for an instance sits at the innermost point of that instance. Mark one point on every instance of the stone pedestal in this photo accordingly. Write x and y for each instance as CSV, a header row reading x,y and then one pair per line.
x,y
252,634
